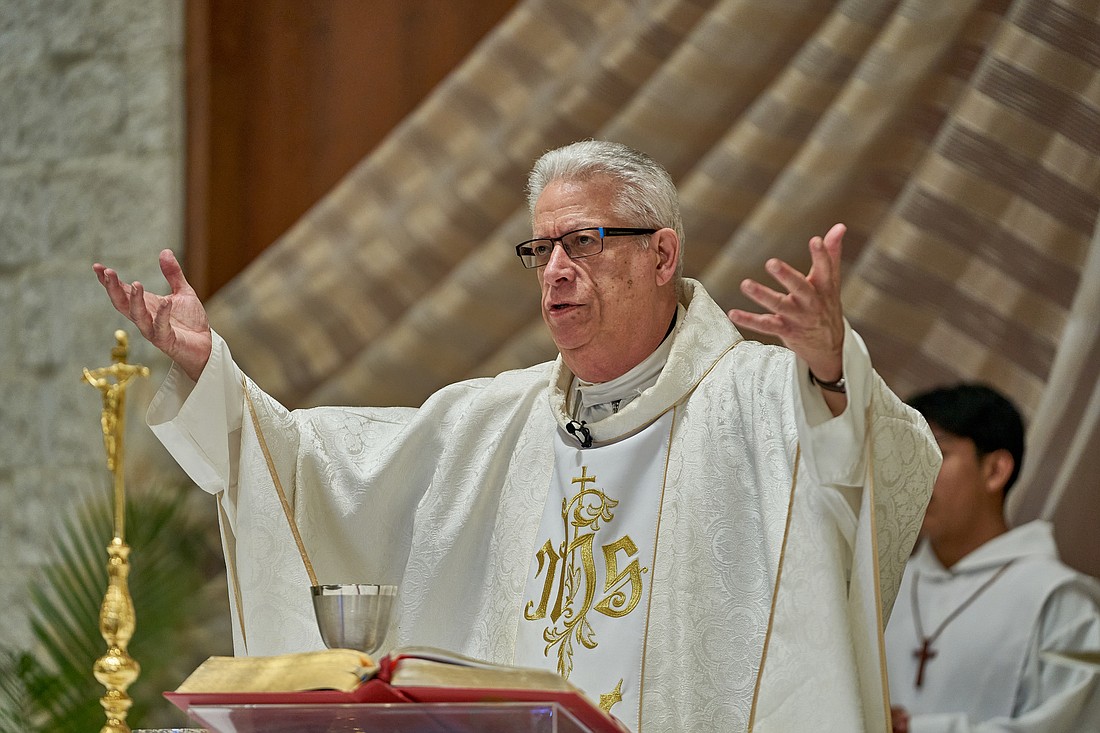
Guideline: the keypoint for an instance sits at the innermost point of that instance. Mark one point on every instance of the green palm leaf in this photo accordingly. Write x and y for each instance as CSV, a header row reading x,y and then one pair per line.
x,y
174,560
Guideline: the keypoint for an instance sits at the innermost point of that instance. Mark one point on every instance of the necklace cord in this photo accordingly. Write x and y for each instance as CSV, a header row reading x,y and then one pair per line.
x,y
927,641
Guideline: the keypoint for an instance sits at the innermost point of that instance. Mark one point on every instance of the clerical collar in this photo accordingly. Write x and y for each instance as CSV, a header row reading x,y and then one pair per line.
x,y
593,402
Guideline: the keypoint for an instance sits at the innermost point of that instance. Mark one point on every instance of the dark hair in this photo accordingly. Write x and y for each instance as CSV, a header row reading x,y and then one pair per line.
x,y
980,413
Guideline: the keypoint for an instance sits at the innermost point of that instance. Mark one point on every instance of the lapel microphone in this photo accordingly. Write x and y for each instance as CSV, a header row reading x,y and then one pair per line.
x,y
578,429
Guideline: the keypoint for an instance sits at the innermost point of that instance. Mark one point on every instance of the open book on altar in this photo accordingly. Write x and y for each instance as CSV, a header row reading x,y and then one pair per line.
x,y
407,675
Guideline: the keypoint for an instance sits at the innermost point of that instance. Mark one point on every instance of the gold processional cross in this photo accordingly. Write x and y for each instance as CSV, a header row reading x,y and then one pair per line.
x,y
116,670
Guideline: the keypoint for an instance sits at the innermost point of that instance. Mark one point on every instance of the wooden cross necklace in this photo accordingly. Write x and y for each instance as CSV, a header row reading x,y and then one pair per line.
x,y
926,652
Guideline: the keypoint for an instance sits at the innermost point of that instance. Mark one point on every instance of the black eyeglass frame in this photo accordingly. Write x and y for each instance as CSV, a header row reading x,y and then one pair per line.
x,y
525,256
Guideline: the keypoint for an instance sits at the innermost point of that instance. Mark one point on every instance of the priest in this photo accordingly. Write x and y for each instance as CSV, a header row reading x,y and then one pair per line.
x,y
702,532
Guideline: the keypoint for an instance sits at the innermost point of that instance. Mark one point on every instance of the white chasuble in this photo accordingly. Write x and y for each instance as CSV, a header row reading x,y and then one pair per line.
x,y
586,603
445,501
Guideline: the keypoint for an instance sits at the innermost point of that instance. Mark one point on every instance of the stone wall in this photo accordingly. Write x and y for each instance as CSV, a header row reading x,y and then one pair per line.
x,y
91,169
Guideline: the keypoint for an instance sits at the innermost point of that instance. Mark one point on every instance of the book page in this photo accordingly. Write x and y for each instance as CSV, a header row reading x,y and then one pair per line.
x,y
444,656
421,672
327,669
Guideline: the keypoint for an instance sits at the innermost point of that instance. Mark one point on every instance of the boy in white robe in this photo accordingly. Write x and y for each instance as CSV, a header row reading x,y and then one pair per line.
x,y
980,602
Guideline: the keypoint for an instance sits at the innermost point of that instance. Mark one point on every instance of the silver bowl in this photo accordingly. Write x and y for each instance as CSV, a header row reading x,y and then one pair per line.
x,y
353,615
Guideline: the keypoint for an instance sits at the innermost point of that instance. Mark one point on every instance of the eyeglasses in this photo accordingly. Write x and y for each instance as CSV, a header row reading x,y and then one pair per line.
x,y
577,244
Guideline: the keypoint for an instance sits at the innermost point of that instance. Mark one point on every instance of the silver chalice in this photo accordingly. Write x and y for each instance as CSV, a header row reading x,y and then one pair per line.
x,y
354,615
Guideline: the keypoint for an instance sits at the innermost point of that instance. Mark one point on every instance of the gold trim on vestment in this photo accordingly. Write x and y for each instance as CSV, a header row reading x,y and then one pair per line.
x,y
879,625
231,566
653,568
279,489
775,591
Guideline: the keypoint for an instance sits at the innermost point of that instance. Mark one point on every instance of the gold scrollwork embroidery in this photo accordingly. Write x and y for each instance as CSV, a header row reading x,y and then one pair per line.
x,y
608,700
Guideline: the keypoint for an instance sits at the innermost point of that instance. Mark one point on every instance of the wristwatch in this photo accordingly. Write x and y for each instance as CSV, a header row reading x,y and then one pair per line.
x,y
839,385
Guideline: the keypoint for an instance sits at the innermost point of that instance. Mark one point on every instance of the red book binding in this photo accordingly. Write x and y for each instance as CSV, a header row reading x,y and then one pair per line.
x,y
410,677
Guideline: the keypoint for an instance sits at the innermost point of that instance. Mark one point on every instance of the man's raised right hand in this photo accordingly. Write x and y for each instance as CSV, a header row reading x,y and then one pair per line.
x,y
175,323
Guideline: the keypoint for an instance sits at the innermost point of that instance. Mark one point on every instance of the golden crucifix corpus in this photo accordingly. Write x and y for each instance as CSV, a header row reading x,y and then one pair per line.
x,y
116,670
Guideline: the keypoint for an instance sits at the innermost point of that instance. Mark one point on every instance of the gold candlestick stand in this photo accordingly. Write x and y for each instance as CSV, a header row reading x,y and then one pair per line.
x,y
116,670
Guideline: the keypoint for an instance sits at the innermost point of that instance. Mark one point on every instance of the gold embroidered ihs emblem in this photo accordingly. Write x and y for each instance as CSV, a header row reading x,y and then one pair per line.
x,y
571,568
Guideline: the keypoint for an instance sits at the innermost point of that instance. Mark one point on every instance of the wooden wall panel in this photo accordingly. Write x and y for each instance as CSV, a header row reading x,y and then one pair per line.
x,y
285,96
